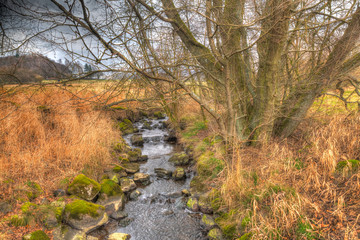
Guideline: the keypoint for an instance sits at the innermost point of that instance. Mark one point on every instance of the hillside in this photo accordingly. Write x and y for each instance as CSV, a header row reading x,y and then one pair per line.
x,y
30,68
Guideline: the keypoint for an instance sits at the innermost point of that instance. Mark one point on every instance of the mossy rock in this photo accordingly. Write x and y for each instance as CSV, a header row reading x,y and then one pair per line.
x,y
126,127
193,204
207,222
66,232
37,235
246,236
84,187
109,188
205,204
209,166
215,234
84,215
137,139
111,196
198,185
127,184
179,174
131,167
134,154
347,167
159,115
48,215
180,159
119,236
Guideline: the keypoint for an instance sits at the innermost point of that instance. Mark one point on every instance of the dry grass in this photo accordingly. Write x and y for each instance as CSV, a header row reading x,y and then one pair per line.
x,y
292,190
48,134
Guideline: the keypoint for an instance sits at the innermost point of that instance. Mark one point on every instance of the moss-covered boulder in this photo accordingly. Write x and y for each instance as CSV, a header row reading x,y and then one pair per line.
x,y
111,196
207,222
192,204
85,216
84,187
135,155
46,214
126,127
119,236
131,167
146,125
66,232
178,174
215,234
180,159
37,235
127,185
137,139
142,178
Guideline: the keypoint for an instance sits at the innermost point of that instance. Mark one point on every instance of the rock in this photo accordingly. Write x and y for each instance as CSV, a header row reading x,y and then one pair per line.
x,y
65,232
215,234
59,193
178,174
135,194
119,236
134,154
163,173
50,219
171,137
146,125
115,176
5,208
159,115
37,235
137,139
126,127
84,187
125,222
204,204
207,222
185,192
91,238
85,216
143,158
127,184
142,178
119,215
180,159
173,195
167,212
131,167
192,204
111,196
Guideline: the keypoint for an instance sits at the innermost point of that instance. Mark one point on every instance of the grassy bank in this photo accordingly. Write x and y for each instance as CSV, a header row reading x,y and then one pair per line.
x,y
304,187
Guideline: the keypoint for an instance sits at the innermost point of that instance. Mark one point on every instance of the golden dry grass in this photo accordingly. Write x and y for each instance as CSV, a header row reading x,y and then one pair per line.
x,y
49,134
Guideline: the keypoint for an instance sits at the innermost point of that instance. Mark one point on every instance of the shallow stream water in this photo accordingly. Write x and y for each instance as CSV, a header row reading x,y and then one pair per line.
x,y
159,213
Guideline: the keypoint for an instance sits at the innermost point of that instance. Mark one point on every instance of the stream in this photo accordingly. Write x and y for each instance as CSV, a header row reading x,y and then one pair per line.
x,y
160,211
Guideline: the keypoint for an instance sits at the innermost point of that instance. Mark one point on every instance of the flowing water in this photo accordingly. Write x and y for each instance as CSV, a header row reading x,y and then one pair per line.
x,y
159,213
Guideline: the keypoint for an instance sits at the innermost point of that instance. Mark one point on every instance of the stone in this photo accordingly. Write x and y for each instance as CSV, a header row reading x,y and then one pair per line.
x,y
146,125
117,173
185,192
59,193
5,208
159,115
137,139
119,236
143,158
37,235
91,238
163,173
170,137
111,196
192,204
127,184
215,234
84,187
207,222
134,154
85,216
135,194
142,178
65,232
204,204
180,159
119,215
125,222
126,127
178,174
131,167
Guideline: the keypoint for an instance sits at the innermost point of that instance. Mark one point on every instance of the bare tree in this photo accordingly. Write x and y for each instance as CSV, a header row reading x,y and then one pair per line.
x,y
255,66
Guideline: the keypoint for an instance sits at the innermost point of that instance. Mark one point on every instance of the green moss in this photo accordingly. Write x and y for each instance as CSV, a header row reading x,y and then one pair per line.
x,y
110,188
77,208
347,167
34,190
82,182
118,108
198,184
192,203
159,115
126,126
209,166
245,221
246,236
193,130
37,235
215,234
304,230
299,164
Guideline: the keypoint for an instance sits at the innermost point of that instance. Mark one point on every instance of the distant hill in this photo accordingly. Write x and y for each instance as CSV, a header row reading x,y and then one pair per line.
x,y
30,68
